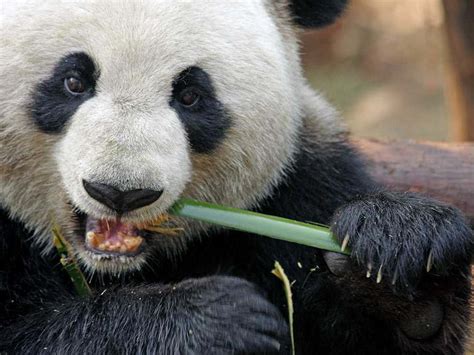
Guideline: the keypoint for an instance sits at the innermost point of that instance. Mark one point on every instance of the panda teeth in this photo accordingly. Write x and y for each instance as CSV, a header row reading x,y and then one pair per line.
x,y
125,244
102,246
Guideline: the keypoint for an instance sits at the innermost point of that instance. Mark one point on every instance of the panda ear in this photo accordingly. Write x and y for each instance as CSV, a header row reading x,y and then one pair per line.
x,y
316,13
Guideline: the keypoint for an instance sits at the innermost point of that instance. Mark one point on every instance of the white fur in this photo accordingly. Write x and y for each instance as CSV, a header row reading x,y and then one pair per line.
x,y
127,135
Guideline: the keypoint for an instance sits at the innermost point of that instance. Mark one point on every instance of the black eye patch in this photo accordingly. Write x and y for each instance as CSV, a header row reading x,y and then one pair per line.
x,y
53,105
206,120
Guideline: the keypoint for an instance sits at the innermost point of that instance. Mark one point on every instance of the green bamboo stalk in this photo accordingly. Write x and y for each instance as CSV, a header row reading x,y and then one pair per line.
x,y
69,264
317,236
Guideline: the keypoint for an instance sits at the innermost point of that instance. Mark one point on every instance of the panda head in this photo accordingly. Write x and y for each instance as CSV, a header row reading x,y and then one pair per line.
x,y
112,110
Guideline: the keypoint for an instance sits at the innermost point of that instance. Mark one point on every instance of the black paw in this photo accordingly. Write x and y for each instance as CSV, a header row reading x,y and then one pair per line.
x,y
231,316
399,237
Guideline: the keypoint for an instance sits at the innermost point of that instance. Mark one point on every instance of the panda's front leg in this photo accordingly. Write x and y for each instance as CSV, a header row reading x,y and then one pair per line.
x,y
210,315
409,269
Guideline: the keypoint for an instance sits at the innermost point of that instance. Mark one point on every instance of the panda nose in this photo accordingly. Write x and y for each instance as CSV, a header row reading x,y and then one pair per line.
x,y
121,201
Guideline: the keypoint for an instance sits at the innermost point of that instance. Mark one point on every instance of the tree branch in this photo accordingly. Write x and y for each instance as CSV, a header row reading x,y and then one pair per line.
x,y
444,171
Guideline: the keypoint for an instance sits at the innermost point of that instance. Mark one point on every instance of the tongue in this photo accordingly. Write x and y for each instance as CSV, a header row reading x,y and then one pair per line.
x,y
112,236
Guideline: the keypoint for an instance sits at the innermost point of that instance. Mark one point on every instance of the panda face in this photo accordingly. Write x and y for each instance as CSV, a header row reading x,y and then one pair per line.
x,y
110,111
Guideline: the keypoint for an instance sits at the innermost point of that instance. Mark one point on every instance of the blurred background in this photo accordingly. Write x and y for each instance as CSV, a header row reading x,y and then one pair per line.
x,y
386,66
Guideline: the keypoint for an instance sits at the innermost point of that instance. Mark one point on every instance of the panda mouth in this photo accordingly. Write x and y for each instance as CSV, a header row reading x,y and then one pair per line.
x,y
112,237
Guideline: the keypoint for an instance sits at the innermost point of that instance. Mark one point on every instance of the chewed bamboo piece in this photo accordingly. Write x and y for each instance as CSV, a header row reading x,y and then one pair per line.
x,y
161,225
70,264
280,273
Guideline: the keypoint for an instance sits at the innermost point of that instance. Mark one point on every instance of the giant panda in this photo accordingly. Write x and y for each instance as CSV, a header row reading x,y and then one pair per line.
x,y
112,110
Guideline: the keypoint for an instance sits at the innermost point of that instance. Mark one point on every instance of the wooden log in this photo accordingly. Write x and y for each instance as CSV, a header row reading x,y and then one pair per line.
x,y
459,18
444,171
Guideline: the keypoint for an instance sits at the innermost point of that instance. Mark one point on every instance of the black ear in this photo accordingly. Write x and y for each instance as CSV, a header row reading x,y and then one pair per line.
x,y
316,13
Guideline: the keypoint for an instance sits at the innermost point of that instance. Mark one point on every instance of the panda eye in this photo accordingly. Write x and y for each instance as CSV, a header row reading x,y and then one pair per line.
x,y
74,85
188,98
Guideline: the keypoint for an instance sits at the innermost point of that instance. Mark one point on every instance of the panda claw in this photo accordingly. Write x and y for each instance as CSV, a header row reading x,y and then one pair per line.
x,y
429,263
345,242
394,278
369,270
379,274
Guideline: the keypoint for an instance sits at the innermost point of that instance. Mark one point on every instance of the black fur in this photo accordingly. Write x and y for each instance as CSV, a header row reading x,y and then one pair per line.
x,y
396,232
207,121
209,315
52,105
316,13
204,300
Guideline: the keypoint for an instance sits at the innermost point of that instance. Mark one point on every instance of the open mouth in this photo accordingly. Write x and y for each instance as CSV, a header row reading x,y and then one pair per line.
x,y
112,237
117,238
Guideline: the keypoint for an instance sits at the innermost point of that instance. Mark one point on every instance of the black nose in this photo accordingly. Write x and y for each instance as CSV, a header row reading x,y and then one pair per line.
x,y
121,201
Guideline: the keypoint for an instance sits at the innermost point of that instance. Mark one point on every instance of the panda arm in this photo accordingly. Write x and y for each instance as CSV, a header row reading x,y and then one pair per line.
x,y
207,315
394,238
215,315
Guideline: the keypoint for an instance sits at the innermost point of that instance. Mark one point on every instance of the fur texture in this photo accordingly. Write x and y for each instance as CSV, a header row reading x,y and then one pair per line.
x,y
259,139
308,13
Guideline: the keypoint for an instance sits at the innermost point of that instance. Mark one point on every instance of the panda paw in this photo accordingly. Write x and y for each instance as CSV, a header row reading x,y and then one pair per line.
x,y
232,316
399,237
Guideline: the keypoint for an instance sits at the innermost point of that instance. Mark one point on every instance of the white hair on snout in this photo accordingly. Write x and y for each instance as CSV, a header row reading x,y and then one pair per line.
x,y
127,135
125,150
